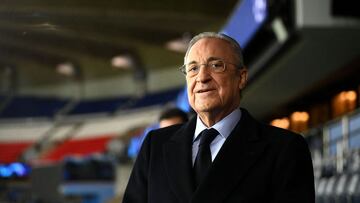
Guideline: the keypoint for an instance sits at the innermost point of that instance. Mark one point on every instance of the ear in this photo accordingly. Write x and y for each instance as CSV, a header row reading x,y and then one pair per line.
x,y
243,77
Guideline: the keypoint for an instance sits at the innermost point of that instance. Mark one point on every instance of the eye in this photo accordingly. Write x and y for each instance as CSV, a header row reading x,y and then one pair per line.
x,y
193,68
216,64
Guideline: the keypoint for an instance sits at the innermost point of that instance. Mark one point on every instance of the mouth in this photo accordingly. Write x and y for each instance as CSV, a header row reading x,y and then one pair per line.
x,y
204,90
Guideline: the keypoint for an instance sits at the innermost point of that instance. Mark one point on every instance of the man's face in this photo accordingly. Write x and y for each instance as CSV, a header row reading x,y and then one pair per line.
x,y
209,92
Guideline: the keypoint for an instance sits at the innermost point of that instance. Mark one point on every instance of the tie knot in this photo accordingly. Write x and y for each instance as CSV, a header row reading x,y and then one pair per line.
x,y
207,136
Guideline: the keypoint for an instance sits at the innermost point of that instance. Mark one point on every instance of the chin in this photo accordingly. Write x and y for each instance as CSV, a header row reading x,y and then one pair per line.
x,y
204,108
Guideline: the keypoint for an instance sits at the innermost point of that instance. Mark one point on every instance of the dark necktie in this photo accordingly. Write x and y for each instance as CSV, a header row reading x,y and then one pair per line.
x,y
203,157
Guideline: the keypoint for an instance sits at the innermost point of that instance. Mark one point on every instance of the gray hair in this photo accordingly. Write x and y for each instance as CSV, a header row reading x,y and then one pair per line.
x,y
233,43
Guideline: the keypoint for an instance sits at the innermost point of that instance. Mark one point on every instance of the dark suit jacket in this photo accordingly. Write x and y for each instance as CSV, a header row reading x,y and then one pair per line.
x,y
257,163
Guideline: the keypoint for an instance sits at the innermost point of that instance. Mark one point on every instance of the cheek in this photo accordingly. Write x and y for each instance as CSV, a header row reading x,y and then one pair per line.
x,y
190,86
223,94
228,90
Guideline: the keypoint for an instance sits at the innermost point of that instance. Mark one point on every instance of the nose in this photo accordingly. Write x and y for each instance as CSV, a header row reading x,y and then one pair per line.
x,y
204,74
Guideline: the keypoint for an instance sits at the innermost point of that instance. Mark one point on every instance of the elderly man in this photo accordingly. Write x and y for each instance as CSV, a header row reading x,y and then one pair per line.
x,y
222,154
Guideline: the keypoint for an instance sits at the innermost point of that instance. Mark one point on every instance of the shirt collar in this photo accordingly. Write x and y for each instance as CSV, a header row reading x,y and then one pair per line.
x,y
224,126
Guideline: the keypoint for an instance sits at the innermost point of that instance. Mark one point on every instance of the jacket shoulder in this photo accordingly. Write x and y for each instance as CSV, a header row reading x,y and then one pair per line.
x,y
280,136
164,133
267,132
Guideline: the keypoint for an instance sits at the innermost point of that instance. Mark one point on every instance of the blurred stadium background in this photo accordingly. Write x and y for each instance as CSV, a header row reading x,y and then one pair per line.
x,y
81,81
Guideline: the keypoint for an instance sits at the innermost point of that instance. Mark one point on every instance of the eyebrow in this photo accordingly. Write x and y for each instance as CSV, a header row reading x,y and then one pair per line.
x,y
212,58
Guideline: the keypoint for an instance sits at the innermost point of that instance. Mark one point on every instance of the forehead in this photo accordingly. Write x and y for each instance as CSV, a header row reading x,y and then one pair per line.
x,y
210,47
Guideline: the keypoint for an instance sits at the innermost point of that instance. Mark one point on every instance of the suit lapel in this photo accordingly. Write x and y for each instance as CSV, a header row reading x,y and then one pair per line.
x,y
239,153
177,158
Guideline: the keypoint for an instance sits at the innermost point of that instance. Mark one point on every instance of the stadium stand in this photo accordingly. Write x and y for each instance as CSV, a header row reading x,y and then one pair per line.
x,y
338,179
53,139
81,147
30,106
10,151
52,143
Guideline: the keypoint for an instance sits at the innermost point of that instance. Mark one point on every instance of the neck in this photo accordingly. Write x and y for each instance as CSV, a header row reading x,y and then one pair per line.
x,y
211,118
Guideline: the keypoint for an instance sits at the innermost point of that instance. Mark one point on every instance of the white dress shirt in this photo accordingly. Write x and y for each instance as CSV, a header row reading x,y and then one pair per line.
x,y
224,127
